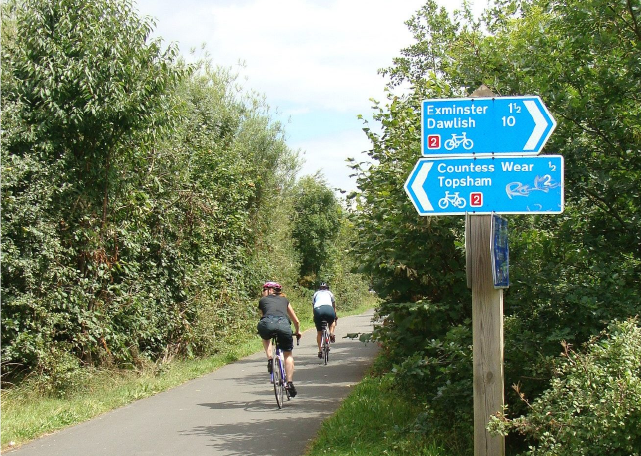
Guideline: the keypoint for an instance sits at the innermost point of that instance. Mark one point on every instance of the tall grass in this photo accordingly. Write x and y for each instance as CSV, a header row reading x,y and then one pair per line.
x,y
373,420
27,413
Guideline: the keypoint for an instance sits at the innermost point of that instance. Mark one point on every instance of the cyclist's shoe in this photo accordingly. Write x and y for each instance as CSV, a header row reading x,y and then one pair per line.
x,y
292,389
270,365
332,338
320,354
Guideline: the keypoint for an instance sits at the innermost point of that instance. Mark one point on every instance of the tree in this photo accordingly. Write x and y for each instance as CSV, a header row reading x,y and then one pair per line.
x,y
81,85
317,217
136,193
571,274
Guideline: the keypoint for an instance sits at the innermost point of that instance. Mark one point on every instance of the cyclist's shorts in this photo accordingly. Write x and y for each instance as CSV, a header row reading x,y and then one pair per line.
x,y
323,313
280,327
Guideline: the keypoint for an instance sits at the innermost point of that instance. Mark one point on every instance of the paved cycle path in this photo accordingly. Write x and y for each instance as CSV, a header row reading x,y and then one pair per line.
x,y
231,411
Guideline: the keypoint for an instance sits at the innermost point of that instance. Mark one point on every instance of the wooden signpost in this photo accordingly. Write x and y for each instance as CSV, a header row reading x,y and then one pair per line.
x,y
487,336
450,193
487,331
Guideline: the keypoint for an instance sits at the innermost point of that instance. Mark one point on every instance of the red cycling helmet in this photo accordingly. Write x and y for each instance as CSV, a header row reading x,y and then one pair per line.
x,y
274,285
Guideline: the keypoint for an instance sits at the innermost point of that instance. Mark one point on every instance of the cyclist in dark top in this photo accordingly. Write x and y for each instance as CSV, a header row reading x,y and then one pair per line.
x,y
277,316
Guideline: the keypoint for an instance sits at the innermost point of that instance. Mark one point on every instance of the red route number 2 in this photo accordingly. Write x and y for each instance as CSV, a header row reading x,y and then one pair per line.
x,y
476,199
434,141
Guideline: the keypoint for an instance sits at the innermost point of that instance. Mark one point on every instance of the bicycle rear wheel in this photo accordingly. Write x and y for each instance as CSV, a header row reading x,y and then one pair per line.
x,y
278,383
277,374
326,346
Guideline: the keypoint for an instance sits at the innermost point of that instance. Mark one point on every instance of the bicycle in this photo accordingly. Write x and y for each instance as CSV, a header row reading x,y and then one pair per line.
x,y
278,374
325,342
455,200
457,140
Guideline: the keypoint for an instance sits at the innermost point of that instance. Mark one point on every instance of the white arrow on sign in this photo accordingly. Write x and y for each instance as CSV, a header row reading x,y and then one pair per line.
x,y
540,124
417,187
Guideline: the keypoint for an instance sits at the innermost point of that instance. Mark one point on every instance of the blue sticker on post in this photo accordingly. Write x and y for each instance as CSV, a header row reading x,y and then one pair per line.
x,y
500,252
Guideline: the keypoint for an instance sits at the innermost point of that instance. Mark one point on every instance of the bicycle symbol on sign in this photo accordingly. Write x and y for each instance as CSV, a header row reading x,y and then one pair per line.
x,y
455,200
457,140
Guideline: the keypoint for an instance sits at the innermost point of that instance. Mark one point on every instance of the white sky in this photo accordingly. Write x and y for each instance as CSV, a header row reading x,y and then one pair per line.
x,y
315,61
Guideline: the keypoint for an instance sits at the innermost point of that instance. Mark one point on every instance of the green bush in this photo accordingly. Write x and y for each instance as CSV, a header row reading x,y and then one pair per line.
x,y
593,404
138,195
430,362
58,373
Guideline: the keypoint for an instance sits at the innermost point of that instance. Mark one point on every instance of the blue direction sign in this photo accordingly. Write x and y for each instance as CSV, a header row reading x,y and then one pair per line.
x,y
505,185
502,125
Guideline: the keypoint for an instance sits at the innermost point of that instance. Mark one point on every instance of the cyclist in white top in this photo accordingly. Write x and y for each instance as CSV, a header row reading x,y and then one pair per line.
x,y
324,310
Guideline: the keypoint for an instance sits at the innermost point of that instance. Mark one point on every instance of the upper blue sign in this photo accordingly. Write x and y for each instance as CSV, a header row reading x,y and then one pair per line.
x,y
502,125
505,185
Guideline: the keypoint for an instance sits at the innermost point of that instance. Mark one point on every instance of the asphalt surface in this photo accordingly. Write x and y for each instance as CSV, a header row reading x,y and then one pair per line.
x,y
231,411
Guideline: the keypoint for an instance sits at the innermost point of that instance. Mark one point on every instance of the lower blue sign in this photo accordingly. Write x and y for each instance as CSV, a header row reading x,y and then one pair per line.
x,y
506,185
500,251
